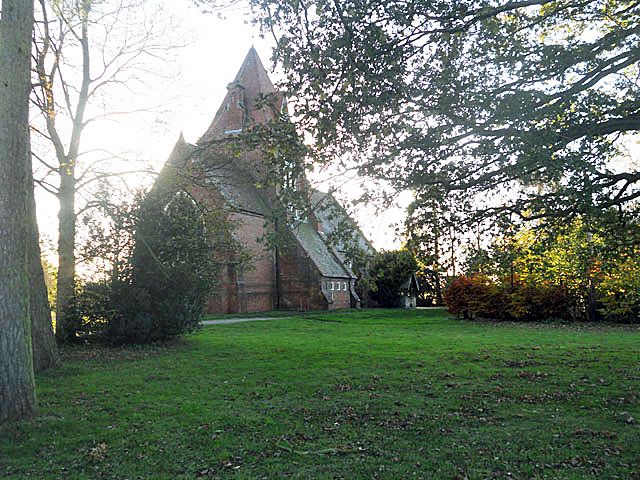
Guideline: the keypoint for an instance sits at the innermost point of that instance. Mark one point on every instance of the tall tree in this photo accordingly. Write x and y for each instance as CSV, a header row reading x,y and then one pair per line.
x,y
81,48
530,103
17,396
45,352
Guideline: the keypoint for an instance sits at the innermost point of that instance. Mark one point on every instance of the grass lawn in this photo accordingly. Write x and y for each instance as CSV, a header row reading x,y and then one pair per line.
x,y
375,394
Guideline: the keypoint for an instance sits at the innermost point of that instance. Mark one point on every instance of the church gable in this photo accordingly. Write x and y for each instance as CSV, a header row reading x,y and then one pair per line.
x,y
304,273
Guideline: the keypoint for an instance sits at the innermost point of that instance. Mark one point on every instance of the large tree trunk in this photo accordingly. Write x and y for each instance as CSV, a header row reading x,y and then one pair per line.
x,y
17,392
66,321
45,354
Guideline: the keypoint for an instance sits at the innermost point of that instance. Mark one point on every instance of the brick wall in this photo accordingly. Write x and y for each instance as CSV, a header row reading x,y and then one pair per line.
x,y
254,289
299,280
338,290
251,289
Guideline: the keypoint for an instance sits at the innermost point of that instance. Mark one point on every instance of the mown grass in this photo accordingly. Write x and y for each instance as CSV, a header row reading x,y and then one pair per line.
x,y
375,394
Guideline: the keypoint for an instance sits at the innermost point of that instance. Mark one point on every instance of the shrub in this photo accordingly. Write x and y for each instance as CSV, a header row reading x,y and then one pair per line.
x,y
528,302
172,272
620,291
474,295
160,257
92,308
478,296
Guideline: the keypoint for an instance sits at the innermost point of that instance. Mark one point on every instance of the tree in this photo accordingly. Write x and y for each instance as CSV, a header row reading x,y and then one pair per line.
x,y
528,104
82,48
389,271
159,256
431,232
17,396
45,354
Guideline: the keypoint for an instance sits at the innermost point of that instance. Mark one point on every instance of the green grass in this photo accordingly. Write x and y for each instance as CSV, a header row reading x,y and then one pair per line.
x,y
272,314
375,394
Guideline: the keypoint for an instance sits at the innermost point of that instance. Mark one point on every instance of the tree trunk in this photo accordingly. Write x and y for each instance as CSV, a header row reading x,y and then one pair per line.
x,y
17,392
436,269
45,353
66,321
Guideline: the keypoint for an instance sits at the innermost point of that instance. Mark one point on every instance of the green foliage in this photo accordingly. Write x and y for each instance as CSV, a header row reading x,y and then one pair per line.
x,y
538,100
389,271
159,256
172,271
619,289
431,229
583,270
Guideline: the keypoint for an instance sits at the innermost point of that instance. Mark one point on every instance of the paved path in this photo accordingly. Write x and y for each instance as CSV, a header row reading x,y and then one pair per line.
x,y
240,320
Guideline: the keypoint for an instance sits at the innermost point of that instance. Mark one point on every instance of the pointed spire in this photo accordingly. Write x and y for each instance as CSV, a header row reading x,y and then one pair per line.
x,y
253,76
180,153
240,107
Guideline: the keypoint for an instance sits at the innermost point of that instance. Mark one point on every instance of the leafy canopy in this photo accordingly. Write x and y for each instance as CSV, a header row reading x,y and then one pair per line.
x,y
528,104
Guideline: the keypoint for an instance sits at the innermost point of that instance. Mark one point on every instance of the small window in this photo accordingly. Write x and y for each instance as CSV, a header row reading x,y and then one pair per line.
x,y
331,285
344,286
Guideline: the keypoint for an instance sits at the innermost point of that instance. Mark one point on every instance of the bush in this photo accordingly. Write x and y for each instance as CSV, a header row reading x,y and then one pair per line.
x,y
620,291
93,309
478,296
172,272
161,270
526,302
474,295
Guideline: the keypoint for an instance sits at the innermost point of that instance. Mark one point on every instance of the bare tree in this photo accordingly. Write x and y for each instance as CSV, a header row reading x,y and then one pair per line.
x,y
17,397
85,50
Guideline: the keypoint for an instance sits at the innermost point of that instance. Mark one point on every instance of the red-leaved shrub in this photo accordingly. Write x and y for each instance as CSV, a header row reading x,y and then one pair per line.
x,y
477,295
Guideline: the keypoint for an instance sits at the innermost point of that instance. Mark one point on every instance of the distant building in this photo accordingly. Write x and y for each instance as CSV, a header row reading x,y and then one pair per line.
x,y
408,292
305,271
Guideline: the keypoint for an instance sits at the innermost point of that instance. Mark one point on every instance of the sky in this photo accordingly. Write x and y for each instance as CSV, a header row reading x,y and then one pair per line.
x,y
181,94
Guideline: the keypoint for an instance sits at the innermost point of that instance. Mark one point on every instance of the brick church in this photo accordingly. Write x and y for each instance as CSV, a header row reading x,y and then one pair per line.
x,y
304,271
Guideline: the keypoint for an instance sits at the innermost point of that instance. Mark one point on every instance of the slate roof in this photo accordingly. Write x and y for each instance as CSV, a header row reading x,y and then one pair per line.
x,y
331,214
328,264
235,185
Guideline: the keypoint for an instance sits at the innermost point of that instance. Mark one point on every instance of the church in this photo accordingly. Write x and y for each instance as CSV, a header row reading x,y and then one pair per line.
x,y
302,271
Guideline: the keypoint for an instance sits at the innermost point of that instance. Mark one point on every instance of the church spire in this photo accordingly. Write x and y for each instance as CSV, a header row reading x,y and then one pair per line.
x,y
244,103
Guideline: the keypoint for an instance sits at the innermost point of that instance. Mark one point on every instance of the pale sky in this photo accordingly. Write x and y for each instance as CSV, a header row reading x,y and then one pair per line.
x,y
185,96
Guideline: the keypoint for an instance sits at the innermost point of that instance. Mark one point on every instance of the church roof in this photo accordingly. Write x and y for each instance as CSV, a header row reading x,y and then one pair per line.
x,y
251,98
332,216
328,264
235,186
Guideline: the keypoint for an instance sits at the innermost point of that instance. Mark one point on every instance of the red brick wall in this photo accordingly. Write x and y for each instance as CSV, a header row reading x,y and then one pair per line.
x,y
257,282
299,282
251,289
341,293
302,287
